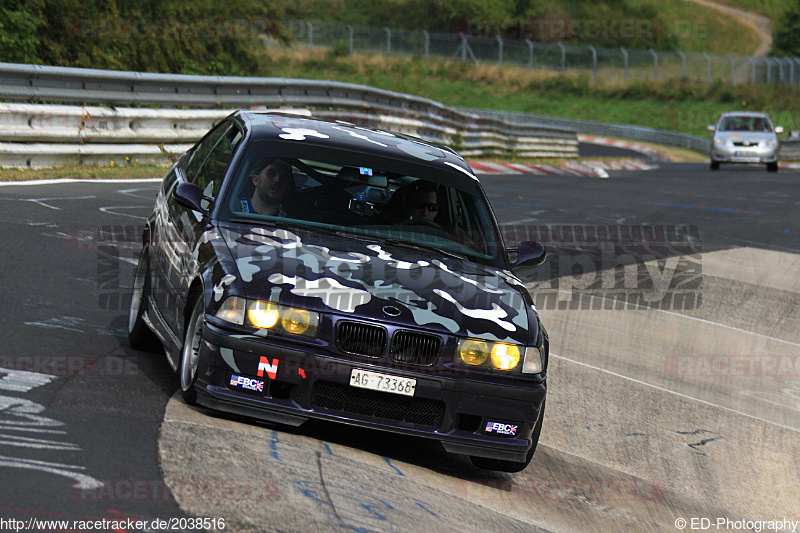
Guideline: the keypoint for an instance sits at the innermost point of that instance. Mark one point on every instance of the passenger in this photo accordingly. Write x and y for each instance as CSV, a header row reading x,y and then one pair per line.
x,y
273,185
422,201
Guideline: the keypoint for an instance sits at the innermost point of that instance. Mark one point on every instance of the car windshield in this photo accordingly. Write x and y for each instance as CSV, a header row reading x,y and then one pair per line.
x,y
745,123
362,196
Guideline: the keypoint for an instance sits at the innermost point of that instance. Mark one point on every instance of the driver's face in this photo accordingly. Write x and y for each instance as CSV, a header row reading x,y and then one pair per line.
x,y
424,205
272,183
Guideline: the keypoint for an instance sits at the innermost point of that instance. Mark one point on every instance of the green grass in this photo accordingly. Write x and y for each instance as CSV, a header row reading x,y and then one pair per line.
x,y
769,8
677,105
85,172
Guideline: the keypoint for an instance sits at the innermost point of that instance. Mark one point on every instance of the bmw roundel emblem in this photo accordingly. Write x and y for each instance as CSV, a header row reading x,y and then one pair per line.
x,y
391,310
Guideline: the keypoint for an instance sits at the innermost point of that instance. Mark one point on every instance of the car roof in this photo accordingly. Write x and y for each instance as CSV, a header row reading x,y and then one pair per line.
x,y
282,127
744,114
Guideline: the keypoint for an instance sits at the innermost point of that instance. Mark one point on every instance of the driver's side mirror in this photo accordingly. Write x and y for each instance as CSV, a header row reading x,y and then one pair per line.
x,y
191,196
529,254
710,127
778,129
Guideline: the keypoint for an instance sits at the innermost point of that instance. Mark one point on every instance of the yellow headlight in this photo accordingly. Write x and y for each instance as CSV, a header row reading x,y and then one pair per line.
x,y
473,352
296,321
263,314
505,356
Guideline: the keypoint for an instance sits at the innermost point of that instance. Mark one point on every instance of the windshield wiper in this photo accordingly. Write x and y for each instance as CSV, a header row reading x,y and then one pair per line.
x,y
423,248
294,224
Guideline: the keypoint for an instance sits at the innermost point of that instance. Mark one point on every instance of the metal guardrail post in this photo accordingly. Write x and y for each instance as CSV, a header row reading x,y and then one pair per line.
x,y
463,48
563,57
797,60
708,68
427,37
499,51
594,62
752,70
683,63
310,28
349,40
388,40
625,59
790,73
530,53
733,69
655,64
769,69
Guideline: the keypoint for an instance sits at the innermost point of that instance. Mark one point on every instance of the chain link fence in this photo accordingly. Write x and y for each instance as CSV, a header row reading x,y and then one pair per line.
x,y
609,63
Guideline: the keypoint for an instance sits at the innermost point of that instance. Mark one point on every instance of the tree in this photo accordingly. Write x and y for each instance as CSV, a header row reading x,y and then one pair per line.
x,y
786,32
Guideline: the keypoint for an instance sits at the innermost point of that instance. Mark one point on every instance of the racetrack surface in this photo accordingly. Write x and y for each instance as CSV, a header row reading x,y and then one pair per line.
x,y
644,424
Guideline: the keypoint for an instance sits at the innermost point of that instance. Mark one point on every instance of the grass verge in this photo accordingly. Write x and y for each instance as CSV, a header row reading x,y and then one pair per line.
x,y
83,172
682,105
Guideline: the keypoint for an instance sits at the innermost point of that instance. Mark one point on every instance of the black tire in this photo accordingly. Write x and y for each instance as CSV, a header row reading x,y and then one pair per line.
x,y
772,167
190,351
140,336
714,165
499,465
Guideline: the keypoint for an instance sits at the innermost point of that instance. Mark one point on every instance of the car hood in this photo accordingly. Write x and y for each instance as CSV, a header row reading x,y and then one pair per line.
x,y
753,137
375,281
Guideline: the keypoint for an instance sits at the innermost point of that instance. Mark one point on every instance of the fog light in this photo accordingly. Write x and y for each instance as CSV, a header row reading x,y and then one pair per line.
x,y
263,314
473,352
299,321
505,356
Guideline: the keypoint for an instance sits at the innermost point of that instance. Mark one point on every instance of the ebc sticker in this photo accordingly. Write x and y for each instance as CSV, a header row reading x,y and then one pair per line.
x,y
256,386
501,428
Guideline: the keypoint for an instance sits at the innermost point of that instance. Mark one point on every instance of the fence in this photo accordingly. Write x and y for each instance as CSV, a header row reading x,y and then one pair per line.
x,y
611,63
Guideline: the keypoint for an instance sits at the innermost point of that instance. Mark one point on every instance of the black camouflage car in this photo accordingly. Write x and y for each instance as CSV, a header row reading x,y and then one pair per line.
x,y
296,268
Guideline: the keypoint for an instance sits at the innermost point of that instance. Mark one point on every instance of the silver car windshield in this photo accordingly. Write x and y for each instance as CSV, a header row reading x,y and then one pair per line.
x,y
745,123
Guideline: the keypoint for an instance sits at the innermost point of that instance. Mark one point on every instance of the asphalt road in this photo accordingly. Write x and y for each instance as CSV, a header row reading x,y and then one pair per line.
x,y
81,434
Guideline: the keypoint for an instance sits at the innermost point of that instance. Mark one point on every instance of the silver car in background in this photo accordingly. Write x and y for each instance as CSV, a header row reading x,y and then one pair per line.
x,y
745,137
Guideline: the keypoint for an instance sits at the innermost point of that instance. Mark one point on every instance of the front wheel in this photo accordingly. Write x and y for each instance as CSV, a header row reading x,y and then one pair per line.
x,y
714,165
772,167
512,466
190,353
139,335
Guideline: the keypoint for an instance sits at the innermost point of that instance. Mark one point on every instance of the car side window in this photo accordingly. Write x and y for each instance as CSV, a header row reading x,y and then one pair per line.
x,y
203,149
212,172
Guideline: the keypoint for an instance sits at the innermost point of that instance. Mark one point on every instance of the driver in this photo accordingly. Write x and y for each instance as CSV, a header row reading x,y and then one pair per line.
x,y
422,201
273,184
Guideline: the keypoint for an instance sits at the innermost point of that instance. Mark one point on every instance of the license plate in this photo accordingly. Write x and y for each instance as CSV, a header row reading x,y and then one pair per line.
x,y
364,379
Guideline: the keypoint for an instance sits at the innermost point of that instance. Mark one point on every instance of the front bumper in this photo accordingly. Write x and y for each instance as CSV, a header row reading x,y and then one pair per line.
x,y
752,154
309,383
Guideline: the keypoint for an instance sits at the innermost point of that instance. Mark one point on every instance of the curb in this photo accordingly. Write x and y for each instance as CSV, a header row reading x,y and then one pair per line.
x,y
589,169
648,151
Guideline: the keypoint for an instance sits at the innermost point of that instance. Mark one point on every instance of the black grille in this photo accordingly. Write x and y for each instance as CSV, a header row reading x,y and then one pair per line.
x,y
360,339
415,348
376,404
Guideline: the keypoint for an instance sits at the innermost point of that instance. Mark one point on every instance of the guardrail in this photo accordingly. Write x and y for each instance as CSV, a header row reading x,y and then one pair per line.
x,y
474,135
790,149
638,133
